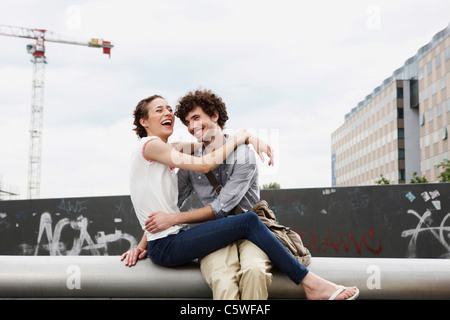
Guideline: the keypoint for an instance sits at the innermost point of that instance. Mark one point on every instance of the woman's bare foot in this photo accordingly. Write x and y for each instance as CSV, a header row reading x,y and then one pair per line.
x,y
317,288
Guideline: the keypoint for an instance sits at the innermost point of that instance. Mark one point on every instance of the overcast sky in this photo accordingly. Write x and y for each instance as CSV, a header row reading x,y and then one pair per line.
x,y
289,70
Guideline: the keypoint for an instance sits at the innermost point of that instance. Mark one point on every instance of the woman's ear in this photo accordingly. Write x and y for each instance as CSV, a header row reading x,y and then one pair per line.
x,y
143,122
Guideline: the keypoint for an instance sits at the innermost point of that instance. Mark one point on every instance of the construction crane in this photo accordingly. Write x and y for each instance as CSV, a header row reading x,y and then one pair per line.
x,y
37,50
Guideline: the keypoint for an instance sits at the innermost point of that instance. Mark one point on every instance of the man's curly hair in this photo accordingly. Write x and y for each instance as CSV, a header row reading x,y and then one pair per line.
x,y
207,100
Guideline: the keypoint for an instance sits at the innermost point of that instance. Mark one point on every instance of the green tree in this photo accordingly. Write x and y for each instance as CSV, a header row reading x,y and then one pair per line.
x,y
272,185
382,180
417,179
445,175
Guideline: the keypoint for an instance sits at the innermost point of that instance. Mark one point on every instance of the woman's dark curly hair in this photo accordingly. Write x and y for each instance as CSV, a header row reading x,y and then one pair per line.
x,y
207,100
140,112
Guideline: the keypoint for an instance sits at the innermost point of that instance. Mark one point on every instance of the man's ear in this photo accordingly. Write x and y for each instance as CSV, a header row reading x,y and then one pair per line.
x,y
215,118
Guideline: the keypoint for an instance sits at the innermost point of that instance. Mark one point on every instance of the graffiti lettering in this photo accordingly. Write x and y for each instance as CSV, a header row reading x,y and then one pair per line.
x,y
71,208
424,226
342,245
56,247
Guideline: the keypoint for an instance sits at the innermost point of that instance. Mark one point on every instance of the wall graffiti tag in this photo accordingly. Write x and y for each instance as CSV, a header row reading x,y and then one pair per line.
x,y
393,221
82,241
428,223
340,243
88,226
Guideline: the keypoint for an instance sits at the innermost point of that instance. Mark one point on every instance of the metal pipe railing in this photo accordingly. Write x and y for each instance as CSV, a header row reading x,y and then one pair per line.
x,y
108,277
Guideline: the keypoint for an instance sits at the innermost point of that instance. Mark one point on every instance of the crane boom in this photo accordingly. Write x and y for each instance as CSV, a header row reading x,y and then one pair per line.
x,y
21,32
41,35
37,50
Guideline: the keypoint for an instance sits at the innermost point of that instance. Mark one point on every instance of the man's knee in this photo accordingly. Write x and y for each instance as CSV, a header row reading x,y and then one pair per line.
x,y
256,271
255,264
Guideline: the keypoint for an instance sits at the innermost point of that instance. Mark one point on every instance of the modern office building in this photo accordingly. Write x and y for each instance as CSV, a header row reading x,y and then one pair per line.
x,y
402,126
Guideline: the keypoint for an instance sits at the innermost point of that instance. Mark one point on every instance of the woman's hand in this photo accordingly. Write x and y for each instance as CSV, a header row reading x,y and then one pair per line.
x,y
241,136
133,255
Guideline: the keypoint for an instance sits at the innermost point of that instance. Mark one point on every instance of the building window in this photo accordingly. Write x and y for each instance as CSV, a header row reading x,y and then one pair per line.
x,y
426,140
436,136
436,160
444,133
422,119
438,61
414,93
429,66
443,81
427,164
401,154
430,115
401,174
439,110
425,94
420,75
433,88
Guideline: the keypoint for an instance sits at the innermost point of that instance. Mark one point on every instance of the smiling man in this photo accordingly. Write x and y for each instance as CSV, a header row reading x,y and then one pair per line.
x,y
240,270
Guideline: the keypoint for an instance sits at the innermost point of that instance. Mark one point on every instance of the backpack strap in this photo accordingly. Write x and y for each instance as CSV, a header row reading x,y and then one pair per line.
x,y
212,179
218,187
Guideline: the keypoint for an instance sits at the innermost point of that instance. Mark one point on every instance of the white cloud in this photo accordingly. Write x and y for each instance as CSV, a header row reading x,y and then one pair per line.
x,y
92,160
291,66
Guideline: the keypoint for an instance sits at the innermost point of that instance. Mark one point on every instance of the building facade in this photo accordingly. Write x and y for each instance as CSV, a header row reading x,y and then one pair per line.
x,y
401,128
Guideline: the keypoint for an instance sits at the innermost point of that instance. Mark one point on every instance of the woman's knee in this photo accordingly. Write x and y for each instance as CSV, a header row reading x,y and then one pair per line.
x,y
252,216
252,221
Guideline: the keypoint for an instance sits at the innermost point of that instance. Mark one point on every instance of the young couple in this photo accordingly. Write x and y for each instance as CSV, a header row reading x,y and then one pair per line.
x,y
235,251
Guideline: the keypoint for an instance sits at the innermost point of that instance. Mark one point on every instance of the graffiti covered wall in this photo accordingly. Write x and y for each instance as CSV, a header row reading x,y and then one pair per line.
x,y
394,221
75,226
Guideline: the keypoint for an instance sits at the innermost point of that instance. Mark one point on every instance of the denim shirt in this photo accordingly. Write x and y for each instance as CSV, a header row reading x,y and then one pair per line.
x,y
238,176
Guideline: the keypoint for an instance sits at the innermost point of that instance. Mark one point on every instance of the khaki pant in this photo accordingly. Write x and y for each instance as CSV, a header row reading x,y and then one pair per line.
x,y
240,270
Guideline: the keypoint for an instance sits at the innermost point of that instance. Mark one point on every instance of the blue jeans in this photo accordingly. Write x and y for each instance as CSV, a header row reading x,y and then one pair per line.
x,y
208,237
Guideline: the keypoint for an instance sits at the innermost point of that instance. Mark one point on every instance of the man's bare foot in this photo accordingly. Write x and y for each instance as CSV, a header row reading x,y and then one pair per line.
x,y
317,288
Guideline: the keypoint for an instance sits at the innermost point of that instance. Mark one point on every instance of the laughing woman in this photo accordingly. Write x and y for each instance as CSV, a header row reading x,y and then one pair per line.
x,y
153,188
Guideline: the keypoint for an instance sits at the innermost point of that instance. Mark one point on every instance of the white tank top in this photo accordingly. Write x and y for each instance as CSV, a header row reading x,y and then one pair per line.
x,y
153,187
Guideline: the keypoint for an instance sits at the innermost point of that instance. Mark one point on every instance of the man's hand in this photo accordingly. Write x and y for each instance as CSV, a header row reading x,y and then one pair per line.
x,y
159,221
133,255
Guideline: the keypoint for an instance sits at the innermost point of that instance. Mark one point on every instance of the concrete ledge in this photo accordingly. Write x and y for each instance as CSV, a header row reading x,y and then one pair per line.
x,y
107,277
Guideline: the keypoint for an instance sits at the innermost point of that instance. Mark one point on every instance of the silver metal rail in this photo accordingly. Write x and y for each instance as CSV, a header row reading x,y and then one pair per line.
x,y
108,277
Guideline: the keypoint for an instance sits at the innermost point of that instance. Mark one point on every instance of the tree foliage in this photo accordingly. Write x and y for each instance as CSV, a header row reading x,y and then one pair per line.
x,y
445,175
271,185
417,179
382,180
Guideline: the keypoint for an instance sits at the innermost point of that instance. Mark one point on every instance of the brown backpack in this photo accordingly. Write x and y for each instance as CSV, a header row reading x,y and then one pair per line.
x,y
289,238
